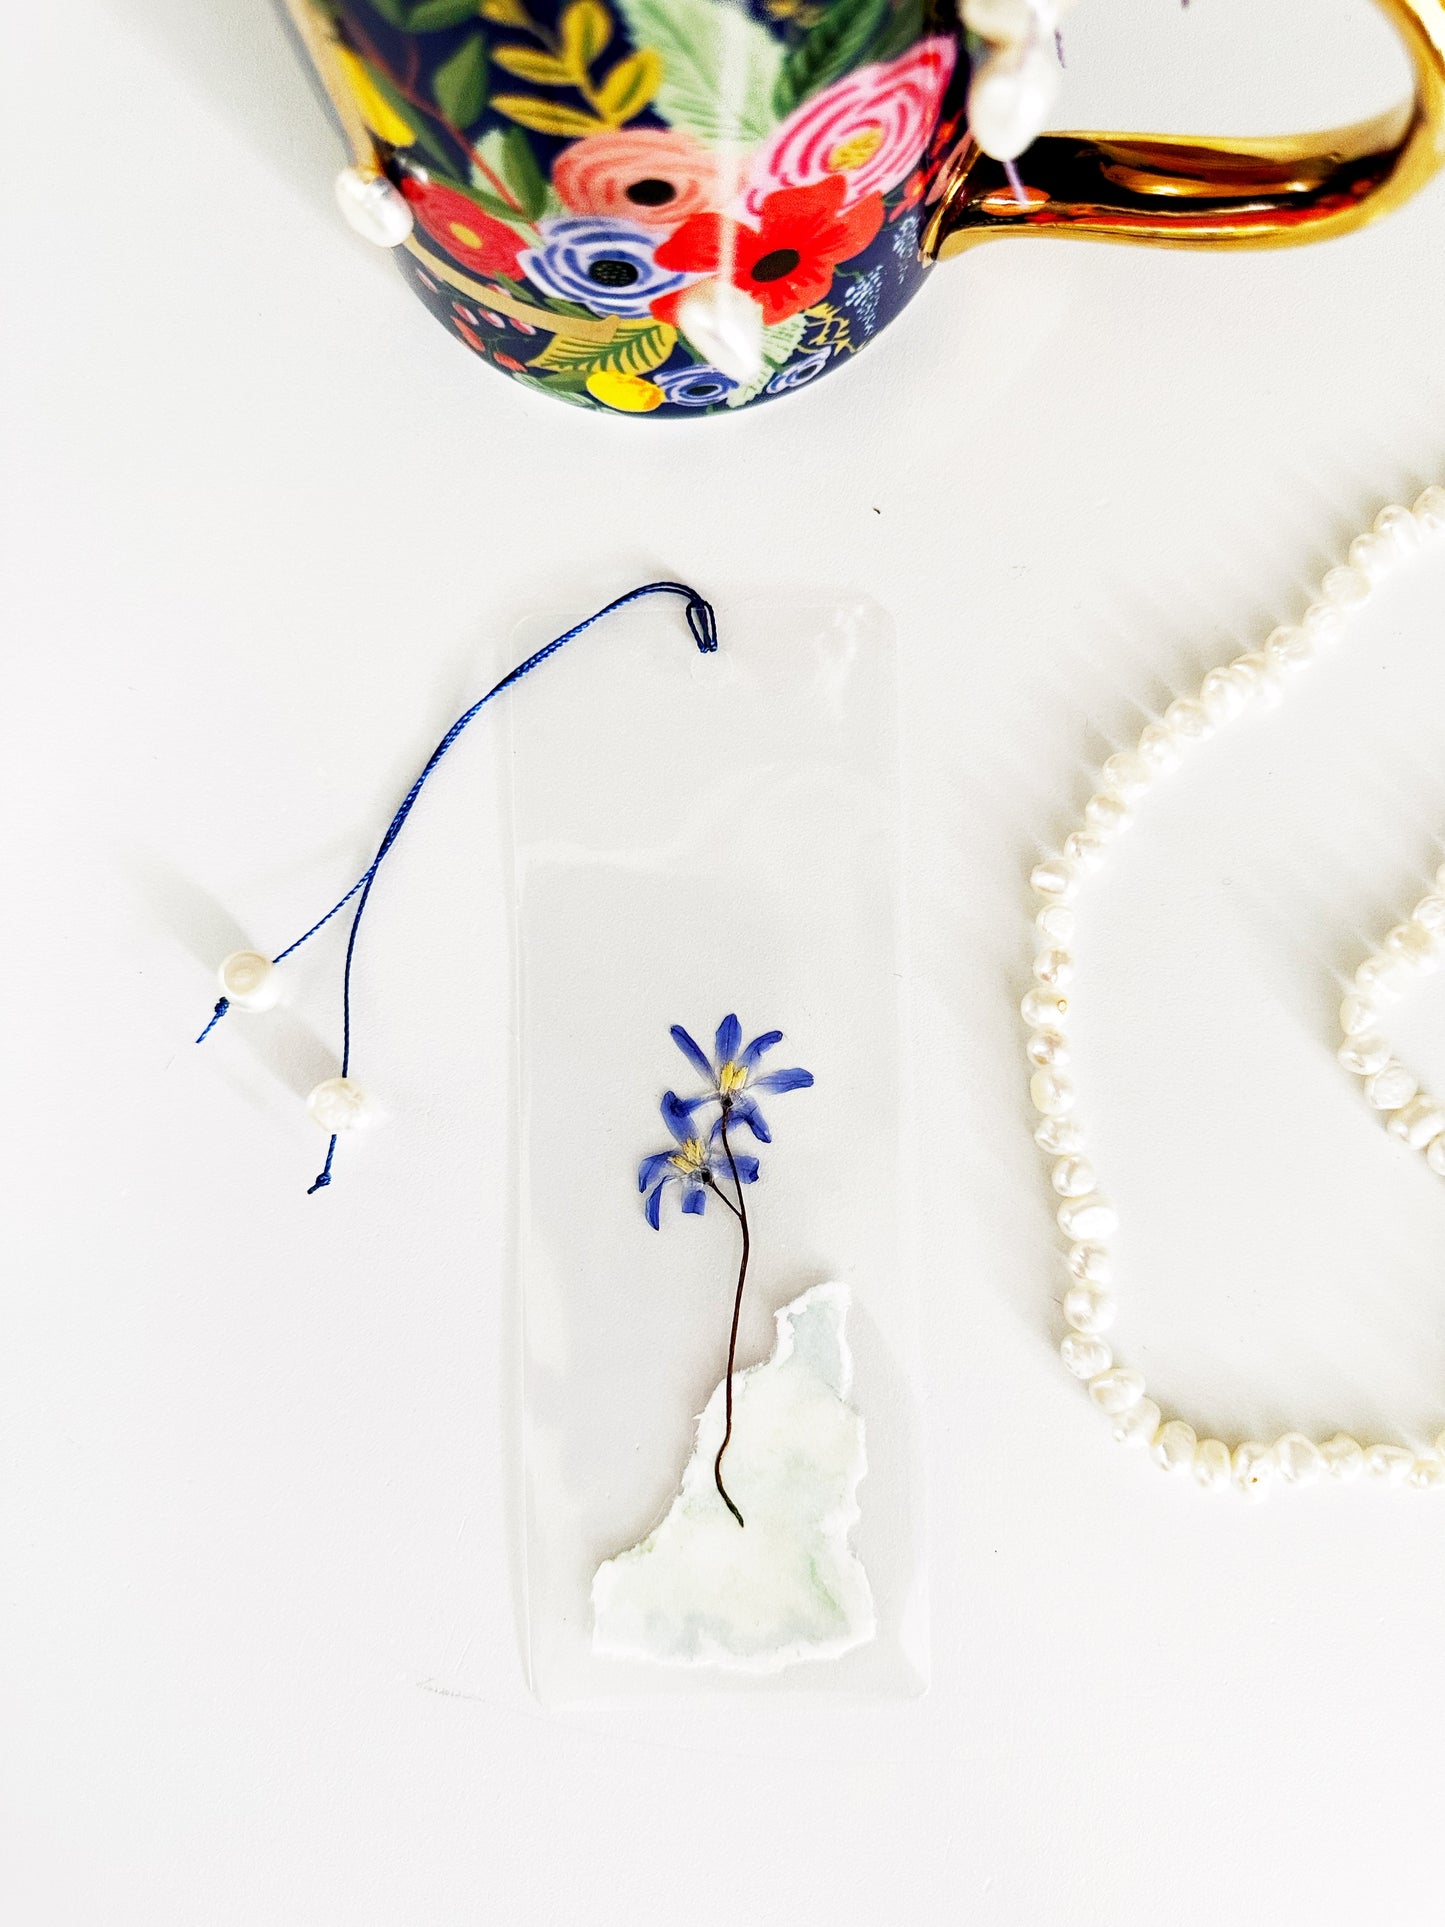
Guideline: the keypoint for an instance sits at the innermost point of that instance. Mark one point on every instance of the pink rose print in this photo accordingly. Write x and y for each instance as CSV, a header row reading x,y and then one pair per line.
x,y
656,176
872,127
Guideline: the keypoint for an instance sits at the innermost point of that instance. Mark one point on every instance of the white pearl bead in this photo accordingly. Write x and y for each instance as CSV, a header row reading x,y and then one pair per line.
x,y
1058,1136
1345,588
1252,1467
1116,1390
1212,1465
1090,1264
1126,774
1413,945
1390,1464
1048,1048
1440,878
1088,1310
1427,1472
1004,20
1429,509
1087,1218
1357,1015
1072,1177
1289,648
1429,913
1435,1156
1054,879
1011,96
1158,748
1417,1122
1383,977
249,980
1084,1354
1052,1093
1043,1009
373,208
1298,1459
1053,968
1224,693
1138,1423
1084,848
1055,924
1391,1088
1322,622
1398,527
1189,720
1107,815
337,1104
1417,947
1364,1055
1343,1457
1371,556
1264,676
1174,1446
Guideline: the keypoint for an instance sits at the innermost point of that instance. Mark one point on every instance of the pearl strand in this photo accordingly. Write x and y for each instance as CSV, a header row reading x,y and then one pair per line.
x,y
1016,74
1413,948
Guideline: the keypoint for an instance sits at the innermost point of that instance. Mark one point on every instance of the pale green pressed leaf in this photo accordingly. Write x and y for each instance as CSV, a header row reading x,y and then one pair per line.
x,y
779,341
720,67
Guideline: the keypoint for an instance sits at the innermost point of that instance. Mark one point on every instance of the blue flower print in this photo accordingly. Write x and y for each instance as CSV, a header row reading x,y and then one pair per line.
x,y
692,1163
606,265
798,372
733,1074
695,387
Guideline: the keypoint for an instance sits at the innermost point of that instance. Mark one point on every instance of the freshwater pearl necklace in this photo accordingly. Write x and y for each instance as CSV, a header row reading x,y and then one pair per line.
x,y
1086,1218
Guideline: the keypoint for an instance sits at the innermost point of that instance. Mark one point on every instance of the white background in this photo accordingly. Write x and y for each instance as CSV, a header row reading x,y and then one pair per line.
x,y
266,529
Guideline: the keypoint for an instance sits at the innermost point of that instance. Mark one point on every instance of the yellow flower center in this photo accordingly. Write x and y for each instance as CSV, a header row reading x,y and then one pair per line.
x,y
692,1157
852,152
730,1079
468,236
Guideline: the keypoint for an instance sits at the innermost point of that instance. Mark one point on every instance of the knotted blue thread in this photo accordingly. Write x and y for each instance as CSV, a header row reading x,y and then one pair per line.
x,y
701,620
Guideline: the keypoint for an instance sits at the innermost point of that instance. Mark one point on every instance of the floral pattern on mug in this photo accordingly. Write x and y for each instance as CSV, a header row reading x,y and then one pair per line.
x,y
467,233
787,262
609,266
578,168
869,129
652,175
695,387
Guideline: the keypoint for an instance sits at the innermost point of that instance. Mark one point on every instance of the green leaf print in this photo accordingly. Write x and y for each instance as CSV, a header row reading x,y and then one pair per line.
x,y
838,41
720,66
432,15
460,83
779,343
508,152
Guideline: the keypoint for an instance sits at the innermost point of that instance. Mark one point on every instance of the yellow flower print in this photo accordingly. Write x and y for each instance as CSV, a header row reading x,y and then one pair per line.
x,y
378,113
630,393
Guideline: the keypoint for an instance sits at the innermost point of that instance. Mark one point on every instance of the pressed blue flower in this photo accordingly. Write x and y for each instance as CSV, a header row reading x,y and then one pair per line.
x,y
734,1076
693,1162
605,264
696,387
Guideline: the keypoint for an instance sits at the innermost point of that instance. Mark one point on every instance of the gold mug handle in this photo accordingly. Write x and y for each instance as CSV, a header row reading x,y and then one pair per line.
x,y
1184,190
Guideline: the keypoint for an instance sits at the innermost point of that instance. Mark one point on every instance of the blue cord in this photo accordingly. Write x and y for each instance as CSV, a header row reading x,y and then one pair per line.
x,y
701,620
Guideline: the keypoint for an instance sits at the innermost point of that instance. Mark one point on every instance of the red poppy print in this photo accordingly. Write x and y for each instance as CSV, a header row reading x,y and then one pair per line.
x,y
786,263
460,226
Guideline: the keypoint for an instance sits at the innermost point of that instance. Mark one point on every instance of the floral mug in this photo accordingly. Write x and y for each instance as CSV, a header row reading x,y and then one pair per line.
x,y
681,207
